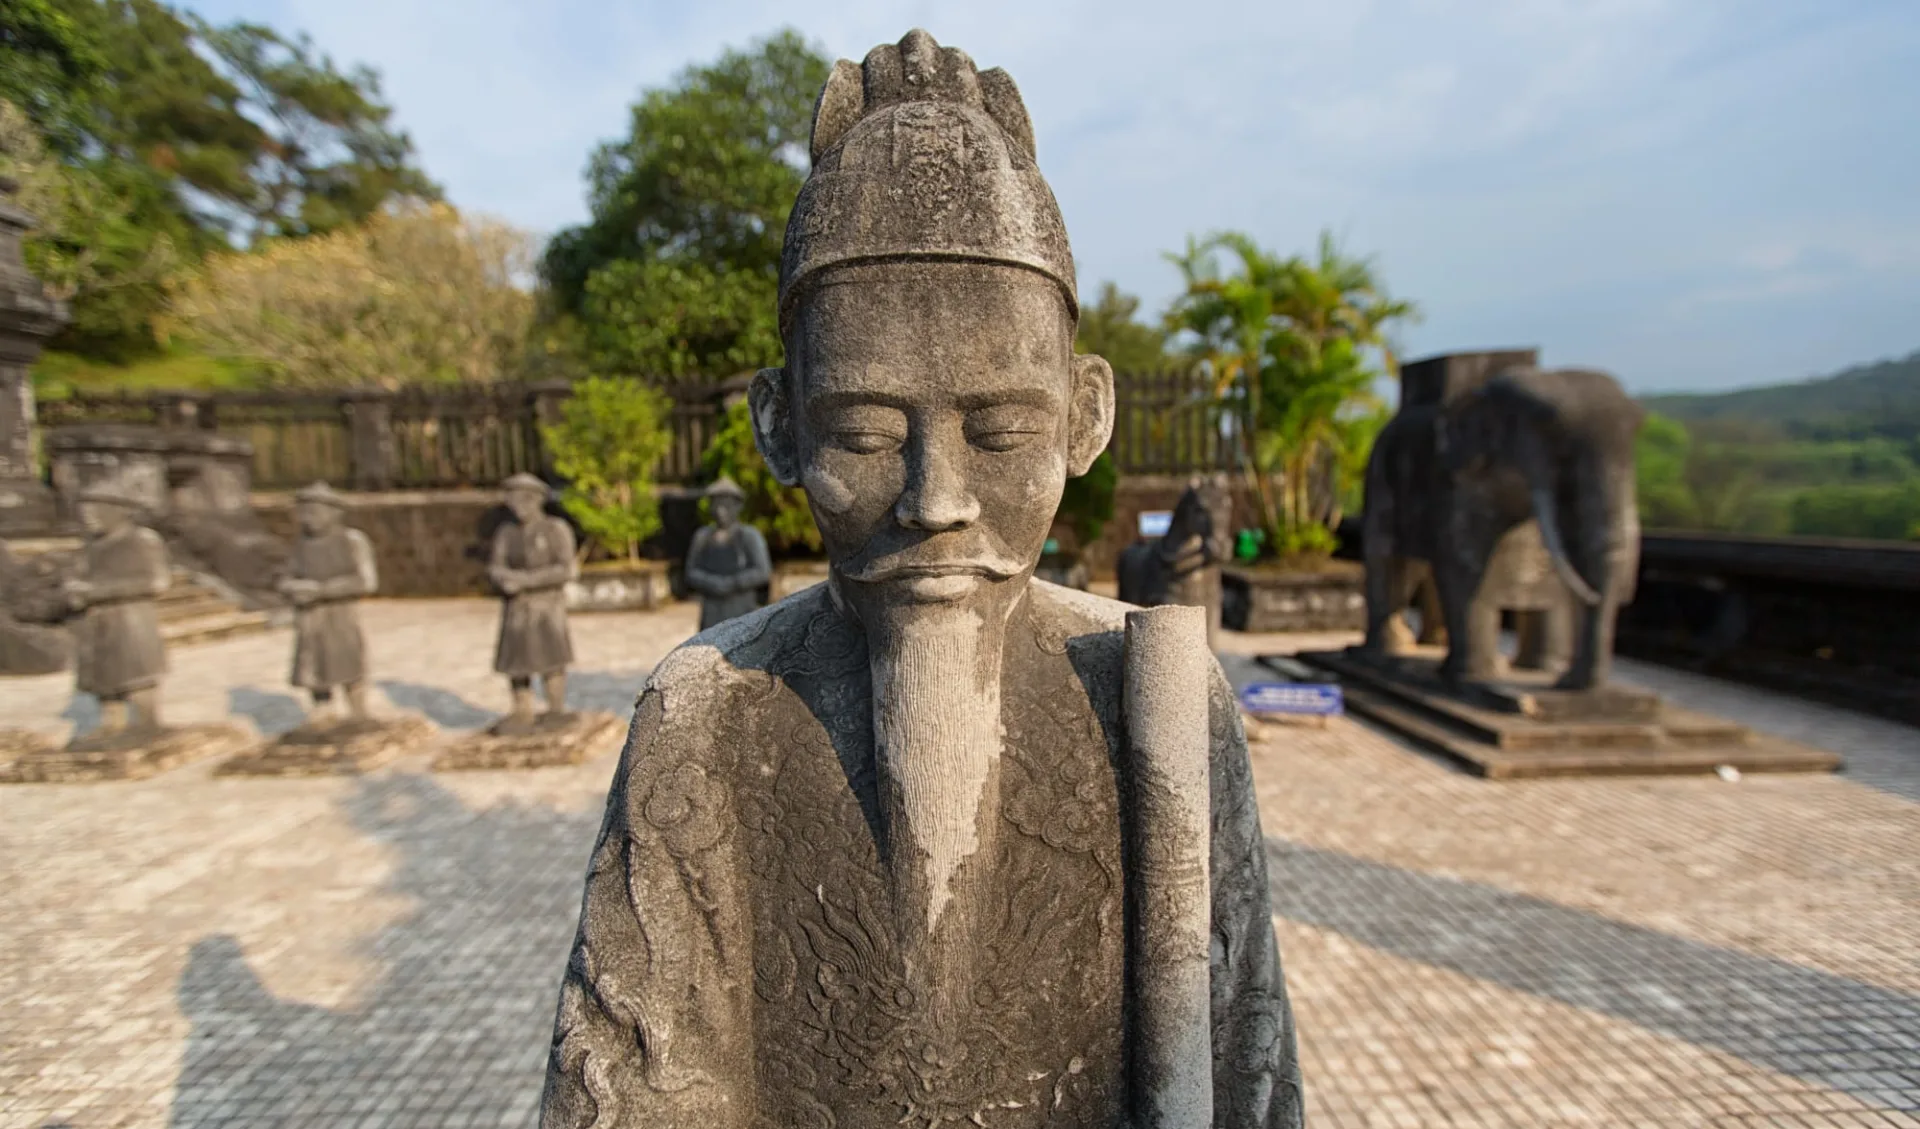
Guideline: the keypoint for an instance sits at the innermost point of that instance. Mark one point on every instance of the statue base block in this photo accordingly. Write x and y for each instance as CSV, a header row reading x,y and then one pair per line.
x,y
1519,726
339,748
122,756
548,741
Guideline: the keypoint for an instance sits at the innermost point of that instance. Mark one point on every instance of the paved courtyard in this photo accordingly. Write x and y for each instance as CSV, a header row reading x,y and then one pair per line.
x,y
384,951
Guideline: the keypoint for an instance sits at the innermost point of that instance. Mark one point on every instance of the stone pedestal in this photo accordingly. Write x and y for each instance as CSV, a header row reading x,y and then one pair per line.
x,y
130,756
567,739
1519,726
1332,598
340,748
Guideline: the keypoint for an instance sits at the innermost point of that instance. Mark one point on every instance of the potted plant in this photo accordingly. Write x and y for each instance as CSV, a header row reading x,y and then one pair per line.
x,y
610,435
1295,346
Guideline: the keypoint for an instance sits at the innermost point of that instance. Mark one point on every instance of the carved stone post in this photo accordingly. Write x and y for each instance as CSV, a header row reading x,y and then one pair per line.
x,y
27,318
370,438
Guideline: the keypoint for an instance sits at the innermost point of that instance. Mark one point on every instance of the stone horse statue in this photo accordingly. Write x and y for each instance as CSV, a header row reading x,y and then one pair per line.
x,y
1181,566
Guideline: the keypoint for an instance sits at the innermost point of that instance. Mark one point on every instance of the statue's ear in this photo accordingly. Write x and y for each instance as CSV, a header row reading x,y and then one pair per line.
x,y
771,411
1089,413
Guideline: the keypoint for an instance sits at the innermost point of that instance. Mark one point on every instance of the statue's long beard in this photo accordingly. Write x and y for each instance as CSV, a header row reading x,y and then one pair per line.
x,y
936,723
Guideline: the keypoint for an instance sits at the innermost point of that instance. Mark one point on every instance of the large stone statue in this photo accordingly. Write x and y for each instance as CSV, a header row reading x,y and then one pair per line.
x,y
1456,476
727,562
331,569
531,564
120,655
1182,566
862,862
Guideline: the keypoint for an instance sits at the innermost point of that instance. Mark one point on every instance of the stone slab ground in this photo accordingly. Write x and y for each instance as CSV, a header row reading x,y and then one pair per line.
x,y
384,950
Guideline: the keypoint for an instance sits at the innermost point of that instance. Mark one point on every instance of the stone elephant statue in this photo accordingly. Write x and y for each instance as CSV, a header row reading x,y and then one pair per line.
x,y
1447,482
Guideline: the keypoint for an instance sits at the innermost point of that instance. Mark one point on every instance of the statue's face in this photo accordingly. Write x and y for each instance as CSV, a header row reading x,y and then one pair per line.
x,y
725,510
930,419
317,519
526,504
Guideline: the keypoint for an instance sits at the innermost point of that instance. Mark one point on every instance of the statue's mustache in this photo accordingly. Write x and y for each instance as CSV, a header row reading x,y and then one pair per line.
x,y
929,558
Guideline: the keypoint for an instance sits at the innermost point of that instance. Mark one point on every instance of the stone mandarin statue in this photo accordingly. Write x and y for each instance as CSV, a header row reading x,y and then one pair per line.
x,y
331,569
862,862
727,562
532,561
119,654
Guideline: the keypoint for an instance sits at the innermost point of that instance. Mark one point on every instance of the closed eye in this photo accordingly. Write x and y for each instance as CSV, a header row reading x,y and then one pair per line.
x,y
867,442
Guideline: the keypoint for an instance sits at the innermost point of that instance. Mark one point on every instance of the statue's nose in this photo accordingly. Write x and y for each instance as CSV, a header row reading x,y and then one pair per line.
x,y
936,497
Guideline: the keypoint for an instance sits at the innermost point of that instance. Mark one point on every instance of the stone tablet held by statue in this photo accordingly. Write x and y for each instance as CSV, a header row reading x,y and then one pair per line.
x,y
531,563
727,564
932,843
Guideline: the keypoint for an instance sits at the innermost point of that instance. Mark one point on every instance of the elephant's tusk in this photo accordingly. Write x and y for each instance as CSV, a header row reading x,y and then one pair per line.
x,y
1544,511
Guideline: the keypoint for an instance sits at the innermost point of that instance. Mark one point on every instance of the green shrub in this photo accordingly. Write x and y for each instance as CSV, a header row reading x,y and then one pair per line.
x,y
610,435
1087,502
778,512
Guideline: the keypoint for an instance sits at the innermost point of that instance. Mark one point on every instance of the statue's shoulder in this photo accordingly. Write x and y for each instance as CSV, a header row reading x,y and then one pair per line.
x,y
742,652
1089,628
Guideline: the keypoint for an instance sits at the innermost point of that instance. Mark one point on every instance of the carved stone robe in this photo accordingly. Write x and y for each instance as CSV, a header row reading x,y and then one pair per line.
x,y
328,647
737,965
118,648
533,621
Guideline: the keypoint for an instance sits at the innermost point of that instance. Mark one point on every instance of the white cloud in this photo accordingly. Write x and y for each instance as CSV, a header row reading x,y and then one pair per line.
x,y
1629,183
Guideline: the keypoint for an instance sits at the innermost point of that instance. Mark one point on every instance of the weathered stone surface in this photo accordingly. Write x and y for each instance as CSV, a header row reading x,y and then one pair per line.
x,y
127,756
1331,597
619,586
553,740
865,858
27,318
335,747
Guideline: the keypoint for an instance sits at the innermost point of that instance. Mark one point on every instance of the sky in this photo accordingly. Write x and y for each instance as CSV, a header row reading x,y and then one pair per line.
x,y
1691,194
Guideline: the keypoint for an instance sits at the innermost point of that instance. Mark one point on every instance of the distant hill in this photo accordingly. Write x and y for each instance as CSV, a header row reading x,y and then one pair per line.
x,y
1866,400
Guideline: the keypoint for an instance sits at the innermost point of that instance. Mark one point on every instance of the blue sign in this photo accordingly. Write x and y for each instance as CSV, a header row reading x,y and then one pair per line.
x,y
1314,699
1155,523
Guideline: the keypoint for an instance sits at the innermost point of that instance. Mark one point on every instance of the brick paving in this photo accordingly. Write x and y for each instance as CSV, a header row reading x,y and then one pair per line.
x,y
384,951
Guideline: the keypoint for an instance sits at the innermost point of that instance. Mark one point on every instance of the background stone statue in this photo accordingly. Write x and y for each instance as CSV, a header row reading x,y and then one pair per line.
x,y
1449,481
532,561
728,562
1181,566
862,862
329,571
119,652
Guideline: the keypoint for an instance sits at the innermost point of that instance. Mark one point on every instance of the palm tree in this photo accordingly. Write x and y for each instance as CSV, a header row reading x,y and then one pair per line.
x,y
1291,344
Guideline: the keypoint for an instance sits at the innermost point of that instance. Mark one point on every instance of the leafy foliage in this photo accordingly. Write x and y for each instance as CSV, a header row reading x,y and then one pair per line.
x,y
1110,328
416,294
1087,502
163,139
677,271
610,435
1295,346
778,512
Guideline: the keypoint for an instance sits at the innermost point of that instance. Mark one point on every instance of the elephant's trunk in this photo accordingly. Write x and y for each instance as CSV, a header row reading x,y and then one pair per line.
x,y
1547,513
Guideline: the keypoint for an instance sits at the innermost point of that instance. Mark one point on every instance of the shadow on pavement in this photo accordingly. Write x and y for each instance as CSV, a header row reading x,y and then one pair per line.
x,y
444,708
1825,1029
272,713
455,1030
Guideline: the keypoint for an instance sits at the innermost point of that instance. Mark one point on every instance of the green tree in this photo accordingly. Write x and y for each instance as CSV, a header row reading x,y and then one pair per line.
x,y
1110,328
1660,467
676,273
53,71
779,512
1295,346
610,434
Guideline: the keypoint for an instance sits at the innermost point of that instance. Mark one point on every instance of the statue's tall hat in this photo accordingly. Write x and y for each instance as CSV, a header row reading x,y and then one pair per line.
x,y
917,154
